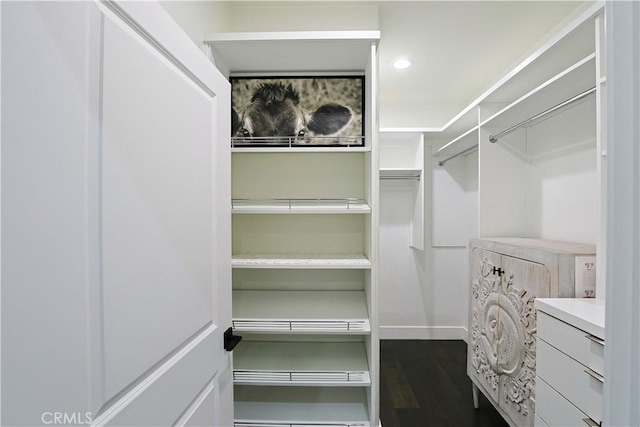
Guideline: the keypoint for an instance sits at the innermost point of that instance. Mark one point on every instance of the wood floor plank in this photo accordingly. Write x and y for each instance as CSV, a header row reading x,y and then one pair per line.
x,y
398,385
425,383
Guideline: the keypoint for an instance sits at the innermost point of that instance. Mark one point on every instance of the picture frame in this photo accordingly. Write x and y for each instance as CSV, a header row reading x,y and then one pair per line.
x,y
311,111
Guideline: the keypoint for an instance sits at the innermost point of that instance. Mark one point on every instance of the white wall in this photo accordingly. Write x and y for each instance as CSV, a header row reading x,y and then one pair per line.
x,y
199,17
46,238
303,16
403,295
622,351
423,293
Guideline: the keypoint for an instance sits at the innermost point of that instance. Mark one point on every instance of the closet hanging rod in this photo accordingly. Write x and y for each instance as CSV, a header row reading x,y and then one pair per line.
x,y
530,121
463,152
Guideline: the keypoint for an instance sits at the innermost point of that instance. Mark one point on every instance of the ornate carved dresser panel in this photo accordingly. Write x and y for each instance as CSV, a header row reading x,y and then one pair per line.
x,y
507,274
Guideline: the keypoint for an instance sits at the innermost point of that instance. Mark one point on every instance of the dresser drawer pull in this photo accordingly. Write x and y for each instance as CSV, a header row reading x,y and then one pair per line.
x,y
594,375
590,422
595,339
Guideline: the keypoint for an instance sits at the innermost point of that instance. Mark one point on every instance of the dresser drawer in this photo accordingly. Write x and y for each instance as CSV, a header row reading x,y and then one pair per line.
x,y
583,347
537,422
554,410
569,378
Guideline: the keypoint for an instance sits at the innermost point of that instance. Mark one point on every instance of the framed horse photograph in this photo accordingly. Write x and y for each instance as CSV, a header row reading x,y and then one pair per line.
x,y
297,111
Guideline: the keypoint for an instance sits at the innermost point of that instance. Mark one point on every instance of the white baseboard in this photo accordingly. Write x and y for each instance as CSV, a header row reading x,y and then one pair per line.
x,y
423,333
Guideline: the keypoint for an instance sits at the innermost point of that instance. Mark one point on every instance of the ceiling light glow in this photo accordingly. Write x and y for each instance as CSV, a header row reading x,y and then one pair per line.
x,y
402,63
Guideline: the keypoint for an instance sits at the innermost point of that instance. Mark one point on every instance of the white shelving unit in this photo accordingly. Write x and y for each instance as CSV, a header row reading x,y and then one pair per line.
x,y
304,246
562,68
402,167
545,142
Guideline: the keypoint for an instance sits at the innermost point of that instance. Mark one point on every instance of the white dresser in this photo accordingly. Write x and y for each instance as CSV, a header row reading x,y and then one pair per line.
x,y
570,362
507,276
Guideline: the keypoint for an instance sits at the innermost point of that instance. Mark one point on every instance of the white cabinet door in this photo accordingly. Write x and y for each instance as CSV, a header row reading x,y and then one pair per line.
x,y
483,322
115,219
523,281
502,342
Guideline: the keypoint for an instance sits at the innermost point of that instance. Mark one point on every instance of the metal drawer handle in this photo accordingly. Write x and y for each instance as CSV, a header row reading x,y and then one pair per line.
x,y
590,422
595,339
594,375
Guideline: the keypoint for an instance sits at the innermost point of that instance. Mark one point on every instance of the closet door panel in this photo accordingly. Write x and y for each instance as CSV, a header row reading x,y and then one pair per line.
x,y
483,343
156,208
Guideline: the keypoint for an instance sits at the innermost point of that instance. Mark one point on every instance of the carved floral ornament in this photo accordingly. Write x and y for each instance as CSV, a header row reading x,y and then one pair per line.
x,y
503,337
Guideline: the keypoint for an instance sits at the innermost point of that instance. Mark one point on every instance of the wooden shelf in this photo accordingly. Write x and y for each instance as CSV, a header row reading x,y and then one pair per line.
x,y
300,206
301,363
311,312
302,406
339,261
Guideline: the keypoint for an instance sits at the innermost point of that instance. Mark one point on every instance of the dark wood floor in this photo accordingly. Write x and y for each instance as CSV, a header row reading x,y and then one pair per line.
x,y
425,383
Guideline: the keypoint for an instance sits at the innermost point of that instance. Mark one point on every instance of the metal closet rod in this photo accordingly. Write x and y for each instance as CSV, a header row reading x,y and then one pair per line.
x,y
463,152
530,121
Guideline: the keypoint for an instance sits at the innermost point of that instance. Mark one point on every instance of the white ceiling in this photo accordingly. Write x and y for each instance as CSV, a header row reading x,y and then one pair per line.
x,y
459,48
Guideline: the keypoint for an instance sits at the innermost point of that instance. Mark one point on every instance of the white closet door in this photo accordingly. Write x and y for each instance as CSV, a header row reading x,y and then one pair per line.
x,y
160,294
116,243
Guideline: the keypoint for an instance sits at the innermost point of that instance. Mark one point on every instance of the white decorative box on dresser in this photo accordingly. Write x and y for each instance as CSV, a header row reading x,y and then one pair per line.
x,y
507,275
570,365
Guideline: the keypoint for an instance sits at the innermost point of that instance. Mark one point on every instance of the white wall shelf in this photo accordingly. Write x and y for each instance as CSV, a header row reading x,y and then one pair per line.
x,y
400,173
340,261
296,52
301,312
556,67
571,81
461,143
315,149
575,79
300,206
301,406
301,363
402,160
288,142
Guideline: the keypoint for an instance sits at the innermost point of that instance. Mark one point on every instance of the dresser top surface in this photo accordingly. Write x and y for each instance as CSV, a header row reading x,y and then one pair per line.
x,y
554,246
583,313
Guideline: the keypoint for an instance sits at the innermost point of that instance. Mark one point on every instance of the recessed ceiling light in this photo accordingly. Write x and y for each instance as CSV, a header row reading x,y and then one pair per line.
x,y
401,64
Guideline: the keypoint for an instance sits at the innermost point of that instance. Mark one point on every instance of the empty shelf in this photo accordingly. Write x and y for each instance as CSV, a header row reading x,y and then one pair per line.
x,y
400,173
301,363
286,406
316,261
309,312
299,206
